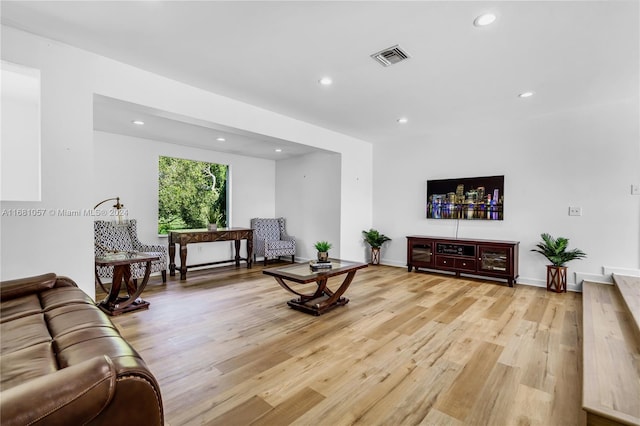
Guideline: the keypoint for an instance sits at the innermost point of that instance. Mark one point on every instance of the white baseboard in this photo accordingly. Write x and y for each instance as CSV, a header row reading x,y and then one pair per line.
x,y
608,270
396,263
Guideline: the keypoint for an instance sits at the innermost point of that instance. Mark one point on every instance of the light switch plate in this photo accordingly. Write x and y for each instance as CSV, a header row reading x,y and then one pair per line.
x,y
575,211
635,189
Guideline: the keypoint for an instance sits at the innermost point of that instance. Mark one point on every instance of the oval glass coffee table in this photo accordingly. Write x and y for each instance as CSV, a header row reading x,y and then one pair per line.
x,y
322,299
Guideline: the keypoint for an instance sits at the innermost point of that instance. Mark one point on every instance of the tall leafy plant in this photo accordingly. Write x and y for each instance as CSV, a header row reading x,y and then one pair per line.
x,y
374,238
555,250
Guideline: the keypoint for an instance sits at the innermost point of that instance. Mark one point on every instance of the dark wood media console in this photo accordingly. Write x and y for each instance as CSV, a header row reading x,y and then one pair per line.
x,y
486,258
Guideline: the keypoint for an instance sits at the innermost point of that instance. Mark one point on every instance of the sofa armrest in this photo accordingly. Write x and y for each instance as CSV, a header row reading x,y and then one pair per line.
x,y
65,282
73,395
24,286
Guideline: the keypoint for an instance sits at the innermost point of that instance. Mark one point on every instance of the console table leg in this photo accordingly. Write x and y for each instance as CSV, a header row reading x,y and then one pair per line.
x,y
237,258
172,259
183,261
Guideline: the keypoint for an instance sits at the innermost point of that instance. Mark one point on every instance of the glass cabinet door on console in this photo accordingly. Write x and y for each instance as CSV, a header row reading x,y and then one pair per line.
x,y
494,259
420,254
423,253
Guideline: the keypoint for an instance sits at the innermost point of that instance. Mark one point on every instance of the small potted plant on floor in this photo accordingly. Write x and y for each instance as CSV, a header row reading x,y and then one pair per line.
x,y
555,250
323,248
375,239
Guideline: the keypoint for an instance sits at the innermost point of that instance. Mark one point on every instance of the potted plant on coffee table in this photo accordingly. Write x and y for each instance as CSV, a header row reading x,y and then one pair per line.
x,y
323,248
375,239
555,250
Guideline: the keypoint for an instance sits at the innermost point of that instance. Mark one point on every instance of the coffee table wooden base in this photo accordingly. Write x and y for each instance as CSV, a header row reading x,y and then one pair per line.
x,y
316,306
113,304
323,299
116,310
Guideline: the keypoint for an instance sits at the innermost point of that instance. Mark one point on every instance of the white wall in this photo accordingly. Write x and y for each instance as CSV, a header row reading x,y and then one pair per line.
x,y
308,196
70,78
135,181
586,157
55,242
20,139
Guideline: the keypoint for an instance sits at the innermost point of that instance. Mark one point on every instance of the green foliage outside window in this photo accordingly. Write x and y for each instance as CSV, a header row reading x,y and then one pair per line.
x,y
189,193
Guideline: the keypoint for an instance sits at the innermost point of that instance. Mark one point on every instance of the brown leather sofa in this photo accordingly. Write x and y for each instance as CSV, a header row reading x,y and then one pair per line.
x,y
62,361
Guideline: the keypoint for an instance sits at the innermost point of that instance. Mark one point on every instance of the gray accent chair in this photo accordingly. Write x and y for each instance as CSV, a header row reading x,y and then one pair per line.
x,y
270,239
110,237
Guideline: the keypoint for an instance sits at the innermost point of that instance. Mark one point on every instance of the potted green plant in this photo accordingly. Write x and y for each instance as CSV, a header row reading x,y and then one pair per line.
x,y
215,219
375,239
555,250
323,248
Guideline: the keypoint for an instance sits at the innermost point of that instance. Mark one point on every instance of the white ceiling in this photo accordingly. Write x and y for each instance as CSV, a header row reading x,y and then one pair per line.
x,y
271,54
117,116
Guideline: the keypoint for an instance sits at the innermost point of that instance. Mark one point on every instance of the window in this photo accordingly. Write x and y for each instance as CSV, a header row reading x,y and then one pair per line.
x,y
192,194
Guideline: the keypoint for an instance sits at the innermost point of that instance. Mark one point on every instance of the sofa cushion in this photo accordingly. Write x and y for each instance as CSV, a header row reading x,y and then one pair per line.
x,y
62,296
23,332
19,307
73,317
124,357
22,365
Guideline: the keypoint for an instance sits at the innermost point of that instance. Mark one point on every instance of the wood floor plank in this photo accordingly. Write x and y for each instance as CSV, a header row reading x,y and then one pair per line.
x,y
498,307
458,400
497,396
456,310
413,399
536,309
245,413
288,411
408,349
396,321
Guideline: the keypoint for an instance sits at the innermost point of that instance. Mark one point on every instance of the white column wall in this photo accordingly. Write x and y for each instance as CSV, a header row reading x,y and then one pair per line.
x,y
308,196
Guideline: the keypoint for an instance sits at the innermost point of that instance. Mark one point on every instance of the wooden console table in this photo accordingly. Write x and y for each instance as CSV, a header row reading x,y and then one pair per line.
x,y
487,258
193,236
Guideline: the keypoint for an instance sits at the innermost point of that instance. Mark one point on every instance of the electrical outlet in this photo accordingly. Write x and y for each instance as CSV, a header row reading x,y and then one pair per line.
x,y
575,211
635,189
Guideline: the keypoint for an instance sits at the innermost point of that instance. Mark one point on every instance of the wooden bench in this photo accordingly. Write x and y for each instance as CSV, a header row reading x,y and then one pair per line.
x,y
611,351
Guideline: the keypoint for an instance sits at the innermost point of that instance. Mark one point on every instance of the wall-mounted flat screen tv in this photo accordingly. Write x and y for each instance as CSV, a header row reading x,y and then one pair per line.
x,y
476,198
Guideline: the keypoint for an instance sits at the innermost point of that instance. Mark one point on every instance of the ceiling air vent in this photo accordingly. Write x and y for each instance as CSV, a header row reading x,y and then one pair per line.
x,y
390,56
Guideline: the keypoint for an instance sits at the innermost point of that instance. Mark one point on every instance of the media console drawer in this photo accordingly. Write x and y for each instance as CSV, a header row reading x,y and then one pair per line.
x,y
487,258
447,262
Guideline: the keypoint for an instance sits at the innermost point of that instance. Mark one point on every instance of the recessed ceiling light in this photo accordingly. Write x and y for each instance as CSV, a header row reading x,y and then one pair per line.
x,y
403,120
525,94
221,139
138,122
326,81
484,20
278,150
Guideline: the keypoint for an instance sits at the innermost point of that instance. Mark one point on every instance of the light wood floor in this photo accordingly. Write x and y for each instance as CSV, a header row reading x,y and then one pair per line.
x,y
409,349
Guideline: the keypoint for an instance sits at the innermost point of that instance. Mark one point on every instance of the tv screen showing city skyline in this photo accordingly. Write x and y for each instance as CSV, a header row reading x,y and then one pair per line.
x,y
475,198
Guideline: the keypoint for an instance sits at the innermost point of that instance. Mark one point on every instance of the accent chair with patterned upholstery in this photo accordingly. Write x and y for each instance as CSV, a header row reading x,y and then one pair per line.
x,y
110,236
270,239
